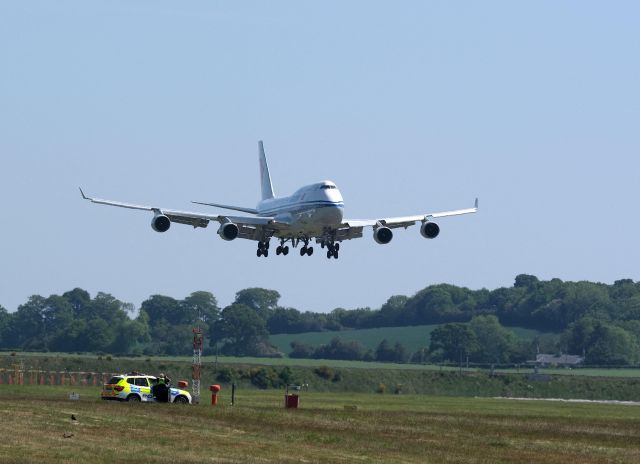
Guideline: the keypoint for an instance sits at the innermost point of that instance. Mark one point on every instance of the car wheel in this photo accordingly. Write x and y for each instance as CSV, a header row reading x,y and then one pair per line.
x,y
181,400
133,399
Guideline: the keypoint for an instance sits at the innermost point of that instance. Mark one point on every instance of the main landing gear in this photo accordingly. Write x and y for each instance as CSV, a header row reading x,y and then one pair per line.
x,y
263,249
282,249
306,249
332,249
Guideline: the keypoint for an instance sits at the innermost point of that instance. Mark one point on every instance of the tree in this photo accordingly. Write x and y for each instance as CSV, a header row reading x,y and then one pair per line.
x,y
5,319
199,307
452,342
241,329
386,353
342,349
160,307
301,350
26,329
611,345
261,300
493,342
391,312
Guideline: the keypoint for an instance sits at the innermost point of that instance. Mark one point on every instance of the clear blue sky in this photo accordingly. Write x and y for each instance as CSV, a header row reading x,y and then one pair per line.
x,y
410,107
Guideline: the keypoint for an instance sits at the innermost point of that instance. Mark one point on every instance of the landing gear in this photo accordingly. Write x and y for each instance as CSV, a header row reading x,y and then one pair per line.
x,y
282,249
332,250
306,249
263,249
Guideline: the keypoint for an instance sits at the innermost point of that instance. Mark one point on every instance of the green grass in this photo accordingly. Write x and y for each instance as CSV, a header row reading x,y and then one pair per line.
x,y
327,428
411,337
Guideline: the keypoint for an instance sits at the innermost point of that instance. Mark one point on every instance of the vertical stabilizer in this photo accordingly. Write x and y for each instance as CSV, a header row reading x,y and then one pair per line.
x,y
265,178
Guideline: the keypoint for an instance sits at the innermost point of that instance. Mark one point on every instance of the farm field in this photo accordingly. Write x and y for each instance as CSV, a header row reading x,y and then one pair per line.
x,y
328,428
412,337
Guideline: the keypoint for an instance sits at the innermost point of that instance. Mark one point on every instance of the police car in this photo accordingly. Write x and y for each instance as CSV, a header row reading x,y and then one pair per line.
x,y
138,387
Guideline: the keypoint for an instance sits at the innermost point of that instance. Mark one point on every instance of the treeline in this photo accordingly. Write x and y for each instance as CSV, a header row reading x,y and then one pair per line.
x,y
601,322
542,305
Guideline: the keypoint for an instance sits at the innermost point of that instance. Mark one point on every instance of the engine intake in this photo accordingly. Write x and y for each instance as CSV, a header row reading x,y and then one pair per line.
x,y
382,235
160,223
429,230
228,231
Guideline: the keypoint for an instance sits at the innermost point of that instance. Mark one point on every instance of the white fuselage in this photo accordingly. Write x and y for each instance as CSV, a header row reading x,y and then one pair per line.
x,y
314,206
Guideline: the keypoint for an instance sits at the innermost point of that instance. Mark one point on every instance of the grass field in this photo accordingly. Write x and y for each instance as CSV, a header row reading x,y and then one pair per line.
x,y
328,428
412,337
92,362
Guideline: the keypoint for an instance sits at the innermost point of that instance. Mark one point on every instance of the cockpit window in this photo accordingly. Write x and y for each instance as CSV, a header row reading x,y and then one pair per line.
x,y
324,187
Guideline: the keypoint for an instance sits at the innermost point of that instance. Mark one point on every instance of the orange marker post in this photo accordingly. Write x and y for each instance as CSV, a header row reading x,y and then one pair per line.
x,y
214,394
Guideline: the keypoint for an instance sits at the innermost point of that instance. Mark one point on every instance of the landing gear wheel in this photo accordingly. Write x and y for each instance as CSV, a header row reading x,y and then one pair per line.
x,y
259,252
329,254
265,252
285,250
335,254
303,251
278,250
309,251
336,247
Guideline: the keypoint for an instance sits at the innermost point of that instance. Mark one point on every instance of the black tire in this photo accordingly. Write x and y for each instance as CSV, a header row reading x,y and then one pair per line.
x,y
181,400
133,399
285,251
309,251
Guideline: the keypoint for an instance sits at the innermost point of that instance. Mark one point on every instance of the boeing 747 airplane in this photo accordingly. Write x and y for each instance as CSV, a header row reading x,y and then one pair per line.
x,y
313,212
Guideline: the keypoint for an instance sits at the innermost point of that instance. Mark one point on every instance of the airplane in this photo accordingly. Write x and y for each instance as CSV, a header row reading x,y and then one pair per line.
x,y
315,211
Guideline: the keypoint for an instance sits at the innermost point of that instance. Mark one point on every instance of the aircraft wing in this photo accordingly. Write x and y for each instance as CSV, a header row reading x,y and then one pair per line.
x,y
403,221
251,228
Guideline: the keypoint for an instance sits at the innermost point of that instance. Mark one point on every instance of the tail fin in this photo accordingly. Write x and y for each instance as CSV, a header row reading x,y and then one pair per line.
x,y
265,178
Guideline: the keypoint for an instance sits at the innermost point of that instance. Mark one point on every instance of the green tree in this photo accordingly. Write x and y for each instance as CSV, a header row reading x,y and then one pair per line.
x,y
494,343
452,342
199,307
611,345
161,308
241,329
262,301
26,329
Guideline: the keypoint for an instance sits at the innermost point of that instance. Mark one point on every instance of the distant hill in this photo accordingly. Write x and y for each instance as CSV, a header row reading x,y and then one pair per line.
x,y
411,337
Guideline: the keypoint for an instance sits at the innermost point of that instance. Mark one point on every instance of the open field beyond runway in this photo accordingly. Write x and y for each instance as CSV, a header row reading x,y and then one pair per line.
x,y
328,427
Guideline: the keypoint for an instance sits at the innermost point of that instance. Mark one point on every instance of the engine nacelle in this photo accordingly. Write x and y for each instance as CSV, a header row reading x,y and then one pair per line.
x,y
228,231
382,235
429,230
160,223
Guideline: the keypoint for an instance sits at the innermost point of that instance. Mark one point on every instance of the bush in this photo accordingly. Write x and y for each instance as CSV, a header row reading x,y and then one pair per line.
x,y
324,372
265,377
226,375
381,388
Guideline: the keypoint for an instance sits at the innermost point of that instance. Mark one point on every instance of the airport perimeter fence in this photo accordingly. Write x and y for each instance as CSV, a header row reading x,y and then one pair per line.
x,y
40,377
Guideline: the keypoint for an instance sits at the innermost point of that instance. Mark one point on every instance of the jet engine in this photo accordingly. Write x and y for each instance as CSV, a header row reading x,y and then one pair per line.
x,y
160,223
429,230
382,235
228,231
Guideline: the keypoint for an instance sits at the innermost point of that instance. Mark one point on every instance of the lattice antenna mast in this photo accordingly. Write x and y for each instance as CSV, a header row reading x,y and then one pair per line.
x,y
196,366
